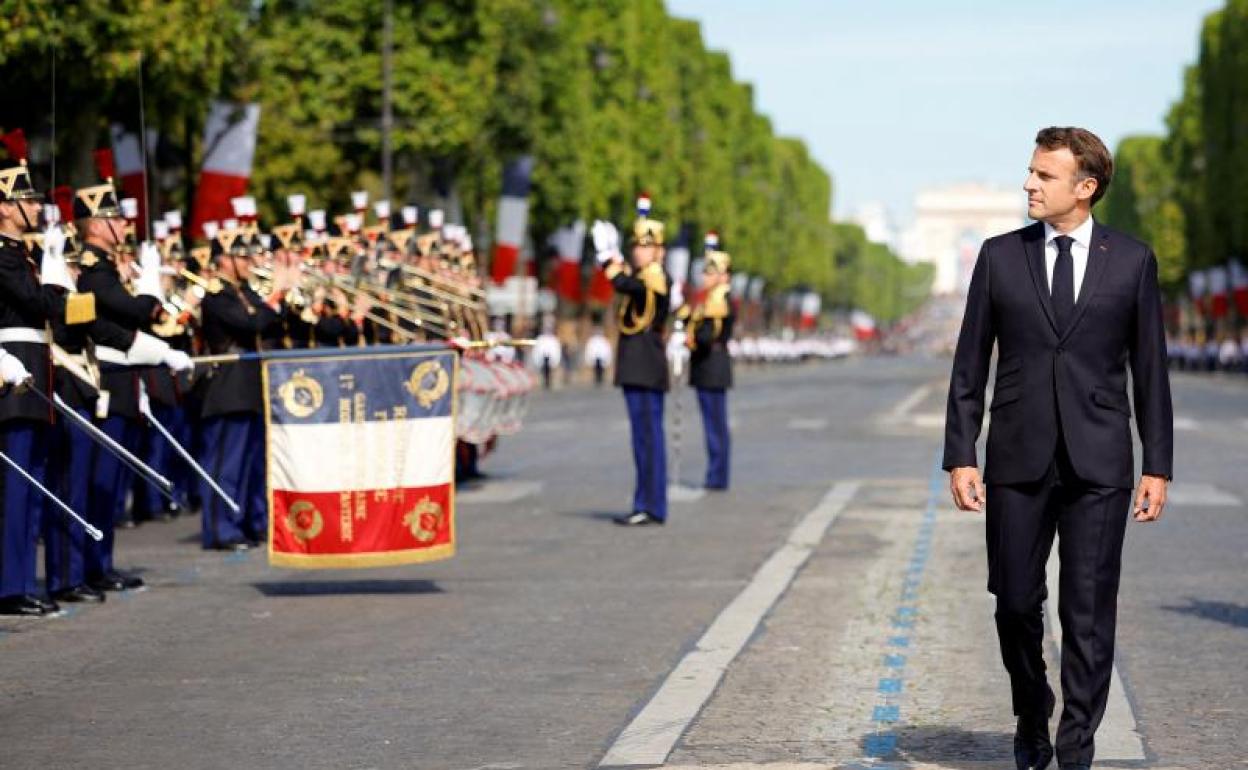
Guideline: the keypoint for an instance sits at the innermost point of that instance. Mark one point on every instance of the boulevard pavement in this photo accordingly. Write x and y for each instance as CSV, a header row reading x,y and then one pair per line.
x,y
827,612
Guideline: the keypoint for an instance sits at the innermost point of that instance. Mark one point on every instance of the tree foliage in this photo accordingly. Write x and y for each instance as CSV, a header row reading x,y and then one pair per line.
x,y
609,97
1187,193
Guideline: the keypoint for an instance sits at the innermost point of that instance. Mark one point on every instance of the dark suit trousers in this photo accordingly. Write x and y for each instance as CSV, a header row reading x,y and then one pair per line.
x,y
1090,523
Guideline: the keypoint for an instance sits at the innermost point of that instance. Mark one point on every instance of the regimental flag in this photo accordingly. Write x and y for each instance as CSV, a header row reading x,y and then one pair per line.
x,y
361,459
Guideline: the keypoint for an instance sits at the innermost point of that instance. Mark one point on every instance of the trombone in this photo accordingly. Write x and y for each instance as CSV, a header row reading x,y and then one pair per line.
x,y
419,320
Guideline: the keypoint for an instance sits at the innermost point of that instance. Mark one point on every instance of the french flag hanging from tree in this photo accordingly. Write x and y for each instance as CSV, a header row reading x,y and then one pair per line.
x,y
131,173
1239,286
513,218
229,148
1219,299
569,244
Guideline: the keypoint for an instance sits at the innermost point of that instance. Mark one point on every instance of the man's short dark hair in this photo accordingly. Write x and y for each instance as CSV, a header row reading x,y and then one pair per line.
x,y
1094,159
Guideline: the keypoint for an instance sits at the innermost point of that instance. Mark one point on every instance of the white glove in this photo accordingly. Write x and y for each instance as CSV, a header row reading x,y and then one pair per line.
x,y
145,403
677,297
606,241
147,350
677,353
12,370
52,270
148,282
178,361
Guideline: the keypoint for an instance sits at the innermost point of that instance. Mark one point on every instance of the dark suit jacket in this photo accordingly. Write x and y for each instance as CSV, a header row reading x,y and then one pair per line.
x,y
1071,384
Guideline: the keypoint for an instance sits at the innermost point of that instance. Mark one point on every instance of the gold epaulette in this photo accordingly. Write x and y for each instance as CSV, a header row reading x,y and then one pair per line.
x,y
654,278
614,268
88,259
168,328
215,286
716,305
79,308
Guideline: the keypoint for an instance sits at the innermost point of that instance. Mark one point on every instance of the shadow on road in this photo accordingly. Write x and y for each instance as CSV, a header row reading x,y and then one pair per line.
x,y
1223,612
598,515
946,746
347,587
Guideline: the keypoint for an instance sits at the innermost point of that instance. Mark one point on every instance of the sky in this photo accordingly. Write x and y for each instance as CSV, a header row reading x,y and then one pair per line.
x,y
893,96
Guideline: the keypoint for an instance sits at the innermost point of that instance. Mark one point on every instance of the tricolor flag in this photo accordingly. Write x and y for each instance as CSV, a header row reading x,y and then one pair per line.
x,y
1239,286
131,173
811,305
229,148
513,218
1219,298
569,244
1198,286
361,459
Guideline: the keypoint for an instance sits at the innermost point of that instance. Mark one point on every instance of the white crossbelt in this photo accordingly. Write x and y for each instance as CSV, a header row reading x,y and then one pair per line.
x,y
21,334
109,355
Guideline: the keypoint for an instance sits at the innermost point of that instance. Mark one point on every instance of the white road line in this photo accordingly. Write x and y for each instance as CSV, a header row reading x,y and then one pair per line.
x,y
1118,738
929,420
1186,423
649,738
903,407
678,493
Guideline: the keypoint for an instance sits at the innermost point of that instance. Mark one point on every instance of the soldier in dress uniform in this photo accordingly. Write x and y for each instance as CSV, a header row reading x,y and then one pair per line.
x,y
77,382
709,329
28,300
235,319
117,407
641,361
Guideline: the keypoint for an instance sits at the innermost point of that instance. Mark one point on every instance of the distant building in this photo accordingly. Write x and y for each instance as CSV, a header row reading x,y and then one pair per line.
x,y
951,222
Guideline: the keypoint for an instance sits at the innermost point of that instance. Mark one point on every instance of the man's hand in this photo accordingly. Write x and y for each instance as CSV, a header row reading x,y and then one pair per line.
x,y
1150,498
967,488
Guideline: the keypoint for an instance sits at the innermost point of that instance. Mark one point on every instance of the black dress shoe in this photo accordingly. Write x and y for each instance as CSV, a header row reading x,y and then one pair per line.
x,y
637,519
115,581
24,606
82,593
1076,767
233,546
50,607
1033,756
1032,748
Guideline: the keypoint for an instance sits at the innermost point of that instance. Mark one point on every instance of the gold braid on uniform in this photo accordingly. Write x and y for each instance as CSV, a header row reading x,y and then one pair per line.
x,y
655,282
714,308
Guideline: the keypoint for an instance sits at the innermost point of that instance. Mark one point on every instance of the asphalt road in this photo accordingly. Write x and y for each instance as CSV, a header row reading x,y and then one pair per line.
x,y
762,628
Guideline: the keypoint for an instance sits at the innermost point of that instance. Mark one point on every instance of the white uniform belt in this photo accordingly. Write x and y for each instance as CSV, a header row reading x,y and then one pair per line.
x,y
109,355
20,334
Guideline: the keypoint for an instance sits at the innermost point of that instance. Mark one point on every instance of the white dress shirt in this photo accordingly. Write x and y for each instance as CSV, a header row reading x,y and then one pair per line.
x,y
1078,251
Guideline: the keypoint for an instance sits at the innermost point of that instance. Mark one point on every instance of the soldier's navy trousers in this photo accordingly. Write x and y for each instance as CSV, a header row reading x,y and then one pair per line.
x,y
645,417
111,479
70,479
21,504
233,455
714,405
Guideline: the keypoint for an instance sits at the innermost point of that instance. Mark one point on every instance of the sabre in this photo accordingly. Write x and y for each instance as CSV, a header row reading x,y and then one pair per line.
x,y
95,534
146,408
123,454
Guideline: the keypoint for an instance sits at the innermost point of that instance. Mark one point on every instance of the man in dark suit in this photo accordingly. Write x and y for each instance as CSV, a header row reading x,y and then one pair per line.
x,y
1070,304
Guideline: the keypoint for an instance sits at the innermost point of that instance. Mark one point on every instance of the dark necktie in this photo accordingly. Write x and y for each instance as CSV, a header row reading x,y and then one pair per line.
x,y
1063,282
